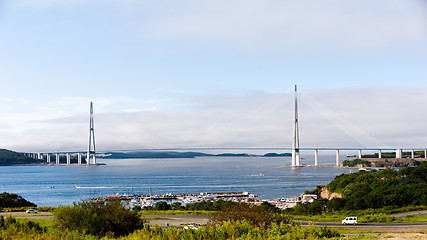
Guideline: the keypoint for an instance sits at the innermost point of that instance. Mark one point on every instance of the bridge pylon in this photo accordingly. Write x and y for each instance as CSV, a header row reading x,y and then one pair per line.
x,y
296,158
91,147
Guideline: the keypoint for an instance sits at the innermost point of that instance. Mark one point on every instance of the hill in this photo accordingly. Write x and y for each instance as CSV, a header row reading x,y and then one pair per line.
x,y
8,157
385,188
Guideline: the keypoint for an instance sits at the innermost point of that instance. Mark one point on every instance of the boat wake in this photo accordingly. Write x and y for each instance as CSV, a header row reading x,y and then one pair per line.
x,y
79,187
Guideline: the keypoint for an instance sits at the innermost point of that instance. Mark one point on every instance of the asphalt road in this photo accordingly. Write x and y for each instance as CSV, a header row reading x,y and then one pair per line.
x,y
334,224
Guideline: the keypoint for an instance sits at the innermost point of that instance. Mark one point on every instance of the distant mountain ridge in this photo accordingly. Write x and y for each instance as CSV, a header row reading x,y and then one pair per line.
x,y
170,154
8,157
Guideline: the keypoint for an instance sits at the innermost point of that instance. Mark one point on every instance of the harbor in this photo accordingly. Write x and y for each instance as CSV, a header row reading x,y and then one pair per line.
x,y
150,200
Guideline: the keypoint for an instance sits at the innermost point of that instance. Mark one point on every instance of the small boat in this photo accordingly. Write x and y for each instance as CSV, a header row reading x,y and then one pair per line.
x,y
51,186
351,156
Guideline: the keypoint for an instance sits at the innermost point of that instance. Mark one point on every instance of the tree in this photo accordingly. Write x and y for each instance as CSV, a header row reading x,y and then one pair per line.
x,y
162,205
177,206
335,204
12,200
98,218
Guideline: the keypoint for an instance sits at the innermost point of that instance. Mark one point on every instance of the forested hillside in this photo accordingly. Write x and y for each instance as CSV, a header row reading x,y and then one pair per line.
x,y
387,187
8,157
12,200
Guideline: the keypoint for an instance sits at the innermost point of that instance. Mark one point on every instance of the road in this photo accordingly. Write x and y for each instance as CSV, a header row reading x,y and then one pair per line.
x,y
359,225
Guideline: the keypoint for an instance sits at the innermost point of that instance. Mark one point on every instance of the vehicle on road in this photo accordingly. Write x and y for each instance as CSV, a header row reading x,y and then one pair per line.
x,y
191,226
32,211
349,220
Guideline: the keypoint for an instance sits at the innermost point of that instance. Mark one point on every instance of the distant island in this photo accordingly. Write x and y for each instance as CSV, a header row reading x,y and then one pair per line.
x,y
8,157
172,154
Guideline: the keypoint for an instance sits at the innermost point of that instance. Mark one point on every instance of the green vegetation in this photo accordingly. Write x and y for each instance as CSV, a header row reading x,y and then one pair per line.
x,y
28,229
178,212
11,200
8,157
387,187
263,215
356,162
370,195
382,215
238,230
203,206
98,218
239,221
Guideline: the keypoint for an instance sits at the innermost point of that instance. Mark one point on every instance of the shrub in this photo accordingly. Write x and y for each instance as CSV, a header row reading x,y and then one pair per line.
x,y
259,216
98,218
10,223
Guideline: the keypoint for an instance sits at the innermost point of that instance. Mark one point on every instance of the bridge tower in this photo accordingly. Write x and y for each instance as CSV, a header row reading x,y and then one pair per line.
x,y
295,136
91,138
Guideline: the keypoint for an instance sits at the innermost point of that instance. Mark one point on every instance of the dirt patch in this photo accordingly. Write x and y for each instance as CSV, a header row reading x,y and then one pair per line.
x,y
324,193
176,220
414,213
403,236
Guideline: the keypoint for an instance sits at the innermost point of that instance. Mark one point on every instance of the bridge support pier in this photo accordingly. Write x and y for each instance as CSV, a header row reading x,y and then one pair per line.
x,y
338,158
68,159
79,158
412,153
48,158
360,153
399,153
425,153
295,158
379,153
57,159
316,157
39,156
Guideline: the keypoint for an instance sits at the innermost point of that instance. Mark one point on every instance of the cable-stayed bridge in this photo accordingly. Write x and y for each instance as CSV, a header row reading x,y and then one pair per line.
x,y
80,154
90,154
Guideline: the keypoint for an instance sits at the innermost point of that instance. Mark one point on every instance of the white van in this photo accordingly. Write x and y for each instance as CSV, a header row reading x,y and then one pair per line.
x,y
349,220
31,211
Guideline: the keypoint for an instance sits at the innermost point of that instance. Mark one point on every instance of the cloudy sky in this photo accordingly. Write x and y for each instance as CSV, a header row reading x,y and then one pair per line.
x,y
213,73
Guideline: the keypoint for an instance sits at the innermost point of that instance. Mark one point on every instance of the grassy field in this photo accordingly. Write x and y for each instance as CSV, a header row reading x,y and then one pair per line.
x,y
227,230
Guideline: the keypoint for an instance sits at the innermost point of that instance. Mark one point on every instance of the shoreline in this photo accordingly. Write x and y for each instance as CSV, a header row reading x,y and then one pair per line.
x,y
320,166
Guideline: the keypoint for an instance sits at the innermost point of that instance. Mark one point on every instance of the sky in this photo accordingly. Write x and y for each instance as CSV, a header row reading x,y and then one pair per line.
x,y
213,73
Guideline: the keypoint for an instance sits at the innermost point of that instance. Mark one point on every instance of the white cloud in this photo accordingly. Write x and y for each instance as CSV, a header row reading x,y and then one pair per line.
x,y
353,117
367,26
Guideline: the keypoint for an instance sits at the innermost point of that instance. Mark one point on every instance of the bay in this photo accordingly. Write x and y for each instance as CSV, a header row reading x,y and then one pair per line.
x,y
61,185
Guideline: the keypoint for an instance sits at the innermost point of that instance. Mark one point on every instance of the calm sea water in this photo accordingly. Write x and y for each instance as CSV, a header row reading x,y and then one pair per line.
x,y
261,176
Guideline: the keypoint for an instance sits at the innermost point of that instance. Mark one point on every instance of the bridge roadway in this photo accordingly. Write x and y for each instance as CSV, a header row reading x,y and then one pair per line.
x,y
315,149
